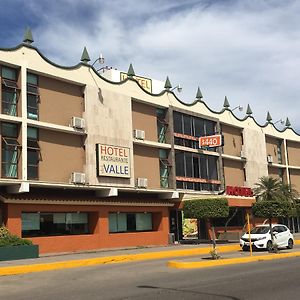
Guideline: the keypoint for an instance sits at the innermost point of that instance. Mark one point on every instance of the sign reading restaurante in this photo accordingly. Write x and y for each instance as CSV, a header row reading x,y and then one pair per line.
x,y
113,161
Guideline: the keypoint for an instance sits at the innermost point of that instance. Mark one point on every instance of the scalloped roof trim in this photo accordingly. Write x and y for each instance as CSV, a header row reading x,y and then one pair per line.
x,y
77,66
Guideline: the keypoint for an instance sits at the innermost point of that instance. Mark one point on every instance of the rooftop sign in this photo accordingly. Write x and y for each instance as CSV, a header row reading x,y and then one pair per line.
x,y
145,83
113,161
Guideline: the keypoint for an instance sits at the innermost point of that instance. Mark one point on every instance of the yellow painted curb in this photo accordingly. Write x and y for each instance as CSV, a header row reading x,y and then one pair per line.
x,y
229,261
21,269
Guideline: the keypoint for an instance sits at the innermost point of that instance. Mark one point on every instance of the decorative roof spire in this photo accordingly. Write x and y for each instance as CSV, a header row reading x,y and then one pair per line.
x,y
168,84
249,110
28,39
199,94
130,72
287,123
226,103
269,118
85,58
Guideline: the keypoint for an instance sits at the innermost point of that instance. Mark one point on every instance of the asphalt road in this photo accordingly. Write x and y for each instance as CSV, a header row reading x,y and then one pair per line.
x,y
278,279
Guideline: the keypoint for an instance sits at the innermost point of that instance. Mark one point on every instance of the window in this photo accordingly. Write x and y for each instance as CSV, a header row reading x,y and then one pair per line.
x,y
33,153
162,125
177,120
32,97
10,150
192,128
279,144
10,91
200,171
130,222
164,166
51,224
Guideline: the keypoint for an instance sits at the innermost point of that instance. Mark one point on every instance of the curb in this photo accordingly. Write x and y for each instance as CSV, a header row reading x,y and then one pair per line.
x,y
229,261
22,269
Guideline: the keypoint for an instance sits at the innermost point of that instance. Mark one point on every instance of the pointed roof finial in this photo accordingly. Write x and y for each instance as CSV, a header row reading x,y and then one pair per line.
x,y
199,94
28,39
287,123
130,72
226,103
249,110
269,118
85,58
168,84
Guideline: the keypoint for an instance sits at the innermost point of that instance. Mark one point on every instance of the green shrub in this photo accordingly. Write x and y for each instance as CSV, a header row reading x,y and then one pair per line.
x,y
8,239
206,208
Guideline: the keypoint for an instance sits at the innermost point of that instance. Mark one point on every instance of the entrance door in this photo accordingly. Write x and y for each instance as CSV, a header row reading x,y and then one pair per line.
x,y
176,224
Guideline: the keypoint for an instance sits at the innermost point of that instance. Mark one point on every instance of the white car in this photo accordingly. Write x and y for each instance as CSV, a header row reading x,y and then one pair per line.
x,y
261,237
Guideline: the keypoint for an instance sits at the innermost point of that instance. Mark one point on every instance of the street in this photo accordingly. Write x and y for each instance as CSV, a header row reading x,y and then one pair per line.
x,y
276,279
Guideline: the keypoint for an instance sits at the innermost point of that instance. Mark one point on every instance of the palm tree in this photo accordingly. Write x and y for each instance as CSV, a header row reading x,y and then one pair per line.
x,y
268,188
279,195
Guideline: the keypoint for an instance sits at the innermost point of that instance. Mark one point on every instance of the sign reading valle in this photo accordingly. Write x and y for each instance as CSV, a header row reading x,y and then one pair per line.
x,y
113,161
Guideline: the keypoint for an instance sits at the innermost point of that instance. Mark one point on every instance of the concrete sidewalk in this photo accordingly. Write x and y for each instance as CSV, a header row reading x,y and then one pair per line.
x,y
62,261
109,256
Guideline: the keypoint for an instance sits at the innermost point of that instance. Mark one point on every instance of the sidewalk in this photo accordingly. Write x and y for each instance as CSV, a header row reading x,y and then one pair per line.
x,y
61,261
107,256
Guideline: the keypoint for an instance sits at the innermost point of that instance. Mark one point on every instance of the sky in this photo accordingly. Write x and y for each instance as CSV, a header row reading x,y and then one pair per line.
x,y
247,50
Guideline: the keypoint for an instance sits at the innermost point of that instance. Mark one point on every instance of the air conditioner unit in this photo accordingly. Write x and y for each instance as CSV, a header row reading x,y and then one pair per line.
x,y
78,178
139,134
270,159
142,182
78,123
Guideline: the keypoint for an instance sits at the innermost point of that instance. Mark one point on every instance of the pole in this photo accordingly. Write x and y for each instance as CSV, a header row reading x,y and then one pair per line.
x,y
248,223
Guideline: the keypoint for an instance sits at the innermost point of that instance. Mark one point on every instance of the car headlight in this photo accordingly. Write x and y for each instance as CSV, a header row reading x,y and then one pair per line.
x,y
261,238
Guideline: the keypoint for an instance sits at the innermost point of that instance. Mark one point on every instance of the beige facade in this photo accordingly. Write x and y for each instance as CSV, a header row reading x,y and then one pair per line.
x,y
57,95
165,156
60,151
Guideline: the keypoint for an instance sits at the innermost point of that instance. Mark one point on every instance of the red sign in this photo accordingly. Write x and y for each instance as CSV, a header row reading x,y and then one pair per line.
x,y
210,141
239,191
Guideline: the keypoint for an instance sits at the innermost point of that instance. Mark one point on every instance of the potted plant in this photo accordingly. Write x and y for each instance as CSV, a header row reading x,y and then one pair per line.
x,y
13,247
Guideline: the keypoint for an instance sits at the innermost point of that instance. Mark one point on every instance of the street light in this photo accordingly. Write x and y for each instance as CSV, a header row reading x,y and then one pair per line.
x,y
281,122
178,87
238,107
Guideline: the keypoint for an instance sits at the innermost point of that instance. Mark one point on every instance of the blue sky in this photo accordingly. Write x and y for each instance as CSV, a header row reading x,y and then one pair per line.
x,y
248,50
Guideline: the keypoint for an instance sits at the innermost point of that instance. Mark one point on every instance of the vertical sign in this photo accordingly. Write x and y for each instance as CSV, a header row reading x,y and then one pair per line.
x,y
113,161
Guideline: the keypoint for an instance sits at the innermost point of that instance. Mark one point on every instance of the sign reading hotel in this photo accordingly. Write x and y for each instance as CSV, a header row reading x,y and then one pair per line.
x,y
113,161
239,191
145,83
210,141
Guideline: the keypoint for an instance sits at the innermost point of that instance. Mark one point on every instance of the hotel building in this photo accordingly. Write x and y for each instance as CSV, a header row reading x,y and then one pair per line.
x,y
93,160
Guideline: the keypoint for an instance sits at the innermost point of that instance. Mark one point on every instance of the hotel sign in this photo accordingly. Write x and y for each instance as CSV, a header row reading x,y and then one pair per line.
x,y
113,161
145,83
239,191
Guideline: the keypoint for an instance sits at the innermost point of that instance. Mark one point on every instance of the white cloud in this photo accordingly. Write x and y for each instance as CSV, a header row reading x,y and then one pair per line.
x,y
247,50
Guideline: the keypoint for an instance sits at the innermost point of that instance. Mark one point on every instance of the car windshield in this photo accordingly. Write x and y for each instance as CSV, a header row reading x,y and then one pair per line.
x,y
260,230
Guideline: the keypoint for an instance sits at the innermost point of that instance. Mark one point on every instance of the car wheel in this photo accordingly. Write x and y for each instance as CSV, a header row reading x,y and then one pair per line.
x,y
290,244
269,246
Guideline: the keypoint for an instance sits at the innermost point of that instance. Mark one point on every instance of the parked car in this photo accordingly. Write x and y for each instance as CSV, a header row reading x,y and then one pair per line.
x,y
261,237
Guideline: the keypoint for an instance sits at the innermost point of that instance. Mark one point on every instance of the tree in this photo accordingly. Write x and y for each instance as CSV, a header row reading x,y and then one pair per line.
x,y
274,200
207,209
